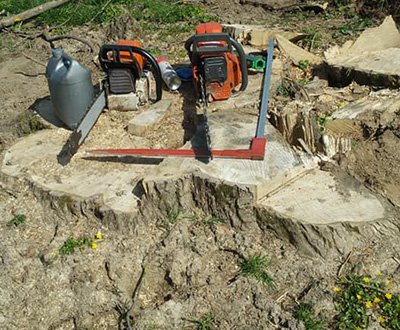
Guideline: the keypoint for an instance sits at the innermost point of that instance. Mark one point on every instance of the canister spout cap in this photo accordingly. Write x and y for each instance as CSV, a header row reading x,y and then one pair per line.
x,y
57,52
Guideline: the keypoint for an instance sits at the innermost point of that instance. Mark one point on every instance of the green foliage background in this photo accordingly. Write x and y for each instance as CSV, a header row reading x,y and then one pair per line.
x,y
79,12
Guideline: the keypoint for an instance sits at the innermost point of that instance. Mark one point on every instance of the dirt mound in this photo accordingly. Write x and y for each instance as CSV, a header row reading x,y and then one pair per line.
x,y
376,160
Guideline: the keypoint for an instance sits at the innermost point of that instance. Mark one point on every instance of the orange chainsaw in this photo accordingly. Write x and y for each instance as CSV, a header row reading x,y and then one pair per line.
x,y
217,68
126,63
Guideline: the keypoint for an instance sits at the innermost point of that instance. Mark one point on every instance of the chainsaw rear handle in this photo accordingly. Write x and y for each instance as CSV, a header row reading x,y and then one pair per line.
x,y
115,62
226,43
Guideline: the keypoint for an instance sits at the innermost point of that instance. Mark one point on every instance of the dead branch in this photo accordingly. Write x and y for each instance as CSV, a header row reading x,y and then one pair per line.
x,y
350,254
49,39
33,60
46,37
8,21
30,75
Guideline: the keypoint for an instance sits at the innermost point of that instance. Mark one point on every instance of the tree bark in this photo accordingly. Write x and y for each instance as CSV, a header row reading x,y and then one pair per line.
x,y
8,21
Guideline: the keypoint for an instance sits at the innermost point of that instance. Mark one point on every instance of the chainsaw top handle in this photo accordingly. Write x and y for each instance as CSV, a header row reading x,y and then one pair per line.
x,y
216,43
128,60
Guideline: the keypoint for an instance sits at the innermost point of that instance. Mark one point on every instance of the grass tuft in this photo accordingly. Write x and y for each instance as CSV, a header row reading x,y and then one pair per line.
x,y
306,314
255,266
205,322
17,220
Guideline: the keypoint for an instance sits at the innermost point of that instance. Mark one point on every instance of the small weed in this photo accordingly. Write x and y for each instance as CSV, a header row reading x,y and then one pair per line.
x,y
154,51
313,41
17,220
322,121
7,43
353,142
354,26
360,299
256,266
123,307
153,327
303,82
284,91
116,291
284,21
304,64
205,322
28,123
191,217
214,220
71,244
169,219
172,216
305,313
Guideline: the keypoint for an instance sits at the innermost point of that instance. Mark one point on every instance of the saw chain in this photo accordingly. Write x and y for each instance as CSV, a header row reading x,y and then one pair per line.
x,y
206,123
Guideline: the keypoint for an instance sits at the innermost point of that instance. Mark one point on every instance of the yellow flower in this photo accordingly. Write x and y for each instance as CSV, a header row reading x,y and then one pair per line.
x,y
379,272
17,19
377,300
358,297
391,288
336,289
388,295
390,281
366,279
368,304
358,328
94,246
99,236
381,319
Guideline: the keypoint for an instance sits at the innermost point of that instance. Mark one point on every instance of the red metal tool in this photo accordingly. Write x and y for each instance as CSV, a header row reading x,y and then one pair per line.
x,y
256,152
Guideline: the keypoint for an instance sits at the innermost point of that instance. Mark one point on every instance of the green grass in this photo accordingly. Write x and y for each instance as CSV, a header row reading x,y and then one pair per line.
x,y
305,313
28,123
284,91
213,220
72,243
17,220
304,64
354,26
256,266
205,322
79,12
169,220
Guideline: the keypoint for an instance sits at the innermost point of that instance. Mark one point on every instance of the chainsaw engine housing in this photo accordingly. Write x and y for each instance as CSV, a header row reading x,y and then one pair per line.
x,y
128,69
213,60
